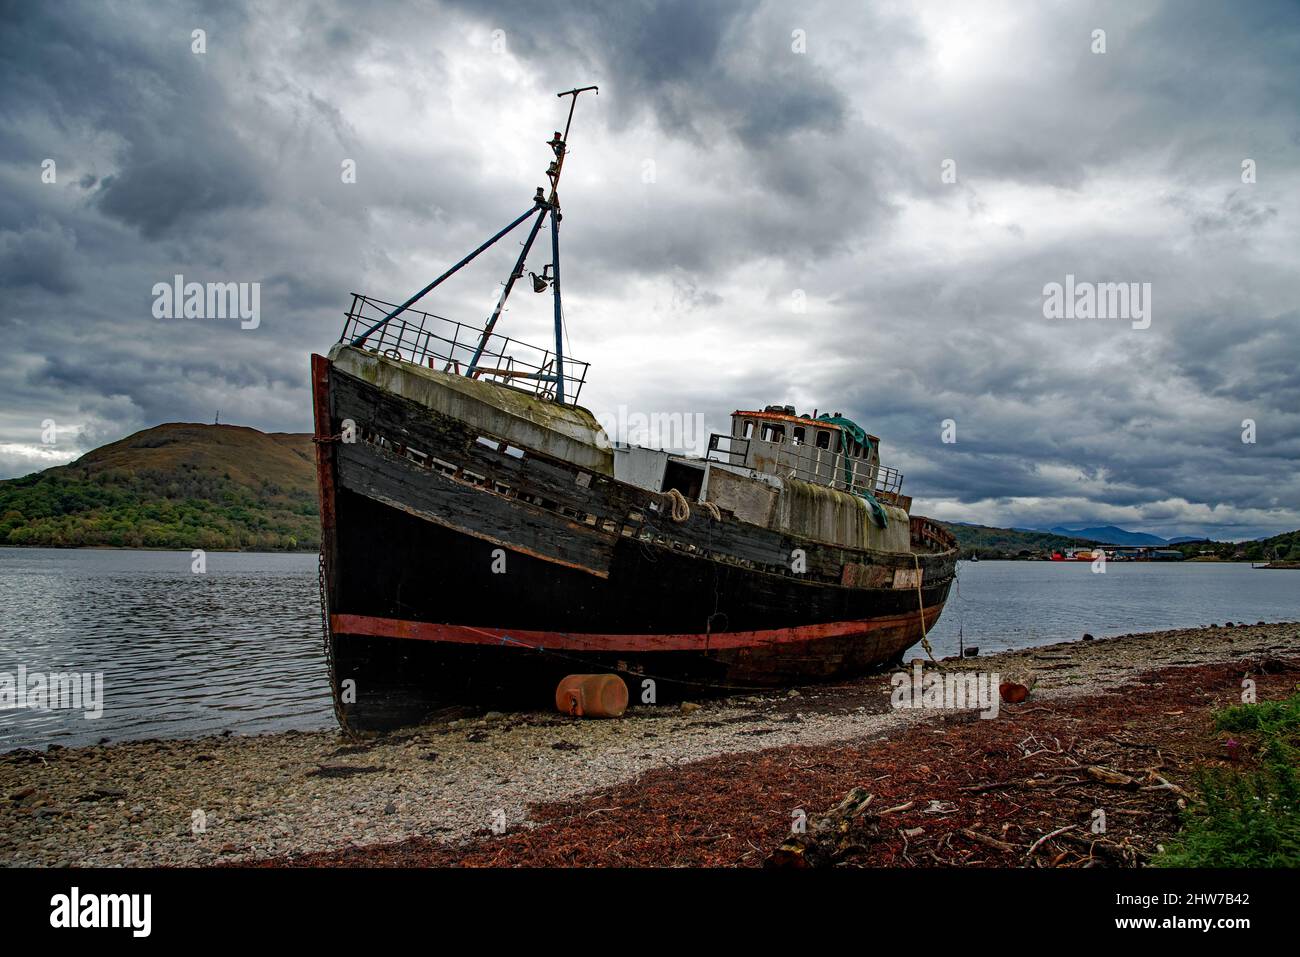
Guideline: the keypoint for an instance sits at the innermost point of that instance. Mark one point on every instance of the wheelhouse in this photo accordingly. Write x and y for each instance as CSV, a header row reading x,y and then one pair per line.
x,y
825,449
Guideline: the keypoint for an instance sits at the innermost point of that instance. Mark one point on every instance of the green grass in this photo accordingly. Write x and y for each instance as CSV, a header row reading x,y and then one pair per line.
x,y
177,485
988,542
156,510
1284,547
1249,818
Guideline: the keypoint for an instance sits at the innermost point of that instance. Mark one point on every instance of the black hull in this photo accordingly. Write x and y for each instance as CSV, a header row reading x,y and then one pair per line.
x,y
396,566
677,604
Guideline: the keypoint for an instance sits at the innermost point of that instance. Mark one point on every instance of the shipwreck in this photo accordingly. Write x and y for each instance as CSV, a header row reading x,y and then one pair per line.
x,y
483,538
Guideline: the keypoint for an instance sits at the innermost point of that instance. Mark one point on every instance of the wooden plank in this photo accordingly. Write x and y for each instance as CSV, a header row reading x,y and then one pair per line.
x,y
428,430
324,444
534,474
398,482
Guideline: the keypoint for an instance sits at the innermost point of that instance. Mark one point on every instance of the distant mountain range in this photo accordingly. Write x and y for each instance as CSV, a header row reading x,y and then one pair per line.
x,y
987,541
1113,535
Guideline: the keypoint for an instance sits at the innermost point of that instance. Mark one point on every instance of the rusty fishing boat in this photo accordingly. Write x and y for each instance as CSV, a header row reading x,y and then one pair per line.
x,y
482,536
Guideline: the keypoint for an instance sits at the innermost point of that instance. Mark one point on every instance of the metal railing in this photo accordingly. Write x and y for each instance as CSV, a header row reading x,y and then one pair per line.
x,y
425,339
810,464
734,456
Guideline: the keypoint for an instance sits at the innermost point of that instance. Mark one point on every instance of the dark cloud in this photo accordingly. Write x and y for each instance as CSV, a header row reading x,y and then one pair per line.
x,y
694,68
749,219
40,256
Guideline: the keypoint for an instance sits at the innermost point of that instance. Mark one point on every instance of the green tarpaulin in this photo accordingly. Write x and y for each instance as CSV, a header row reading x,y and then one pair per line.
x,y
857,432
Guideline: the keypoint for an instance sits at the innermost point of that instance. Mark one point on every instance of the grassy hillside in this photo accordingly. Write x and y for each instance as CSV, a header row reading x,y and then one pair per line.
x,y
1009,543
179,485
988,542
1282,548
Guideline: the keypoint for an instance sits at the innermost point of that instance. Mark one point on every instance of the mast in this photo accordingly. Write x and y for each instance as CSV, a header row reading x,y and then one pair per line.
x,y
542,205
561,150
545,205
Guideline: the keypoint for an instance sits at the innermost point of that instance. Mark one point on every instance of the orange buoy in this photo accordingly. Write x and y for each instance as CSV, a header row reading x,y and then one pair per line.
x,y
1012,692
592,696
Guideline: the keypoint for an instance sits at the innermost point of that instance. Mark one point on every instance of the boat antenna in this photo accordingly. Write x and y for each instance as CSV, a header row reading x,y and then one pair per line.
x,y
544,205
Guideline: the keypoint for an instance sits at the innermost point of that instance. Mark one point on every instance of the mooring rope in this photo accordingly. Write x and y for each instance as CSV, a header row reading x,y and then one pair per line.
x,y
680,508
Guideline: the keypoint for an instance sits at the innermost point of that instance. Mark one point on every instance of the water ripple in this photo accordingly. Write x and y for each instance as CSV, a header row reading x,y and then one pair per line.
x,y
234,649
238,649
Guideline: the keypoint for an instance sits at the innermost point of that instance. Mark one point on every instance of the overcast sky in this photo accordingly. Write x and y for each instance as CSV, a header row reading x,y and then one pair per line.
x,y
742,163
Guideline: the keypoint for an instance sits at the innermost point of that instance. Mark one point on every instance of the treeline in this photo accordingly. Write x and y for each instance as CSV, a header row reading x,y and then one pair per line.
x,y
1279,548
180,508
1008,543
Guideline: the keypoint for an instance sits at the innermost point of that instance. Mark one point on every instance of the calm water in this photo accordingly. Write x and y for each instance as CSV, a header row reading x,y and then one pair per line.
x,y
1002,605
238,648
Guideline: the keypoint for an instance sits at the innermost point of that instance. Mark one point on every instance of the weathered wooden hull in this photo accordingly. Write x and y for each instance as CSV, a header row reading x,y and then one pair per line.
x,y
456,571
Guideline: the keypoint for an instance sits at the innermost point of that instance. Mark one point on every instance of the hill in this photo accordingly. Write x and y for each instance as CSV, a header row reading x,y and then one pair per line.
x,y
989,542
178,485
1112,535
1277,548
1283,548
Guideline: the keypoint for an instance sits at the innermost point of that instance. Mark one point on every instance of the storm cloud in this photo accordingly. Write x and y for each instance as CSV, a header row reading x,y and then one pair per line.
x,y
848,207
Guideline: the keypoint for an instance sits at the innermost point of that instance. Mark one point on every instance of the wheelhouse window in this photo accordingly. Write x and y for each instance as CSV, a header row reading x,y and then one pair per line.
x,y
749,429
823,439
798,435
773,433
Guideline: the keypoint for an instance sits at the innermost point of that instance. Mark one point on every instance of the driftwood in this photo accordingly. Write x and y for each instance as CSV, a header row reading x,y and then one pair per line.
x,y
831,838
1047,837
987,841
1110,777
1098,847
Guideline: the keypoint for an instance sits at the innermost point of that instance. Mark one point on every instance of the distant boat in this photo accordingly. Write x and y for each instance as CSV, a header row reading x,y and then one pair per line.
x,y
1077,555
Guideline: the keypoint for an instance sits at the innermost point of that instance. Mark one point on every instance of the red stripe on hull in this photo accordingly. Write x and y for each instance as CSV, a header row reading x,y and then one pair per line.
x,y
579,641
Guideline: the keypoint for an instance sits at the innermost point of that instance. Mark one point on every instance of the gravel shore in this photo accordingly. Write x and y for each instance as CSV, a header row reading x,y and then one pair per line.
x,y
287,794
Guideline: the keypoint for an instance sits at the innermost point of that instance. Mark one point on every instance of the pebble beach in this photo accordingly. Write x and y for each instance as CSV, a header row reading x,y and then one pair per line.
x,y
276,797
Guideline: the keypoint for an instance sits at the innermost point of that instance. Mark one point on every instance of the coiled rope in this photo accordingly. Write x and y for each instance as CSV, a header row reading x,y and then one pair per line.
x,y
679,508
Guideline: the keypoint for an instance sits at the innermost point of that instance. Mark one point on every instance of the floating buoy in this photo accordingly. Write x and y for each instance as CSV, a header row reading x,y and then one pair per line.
x,y
591,696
